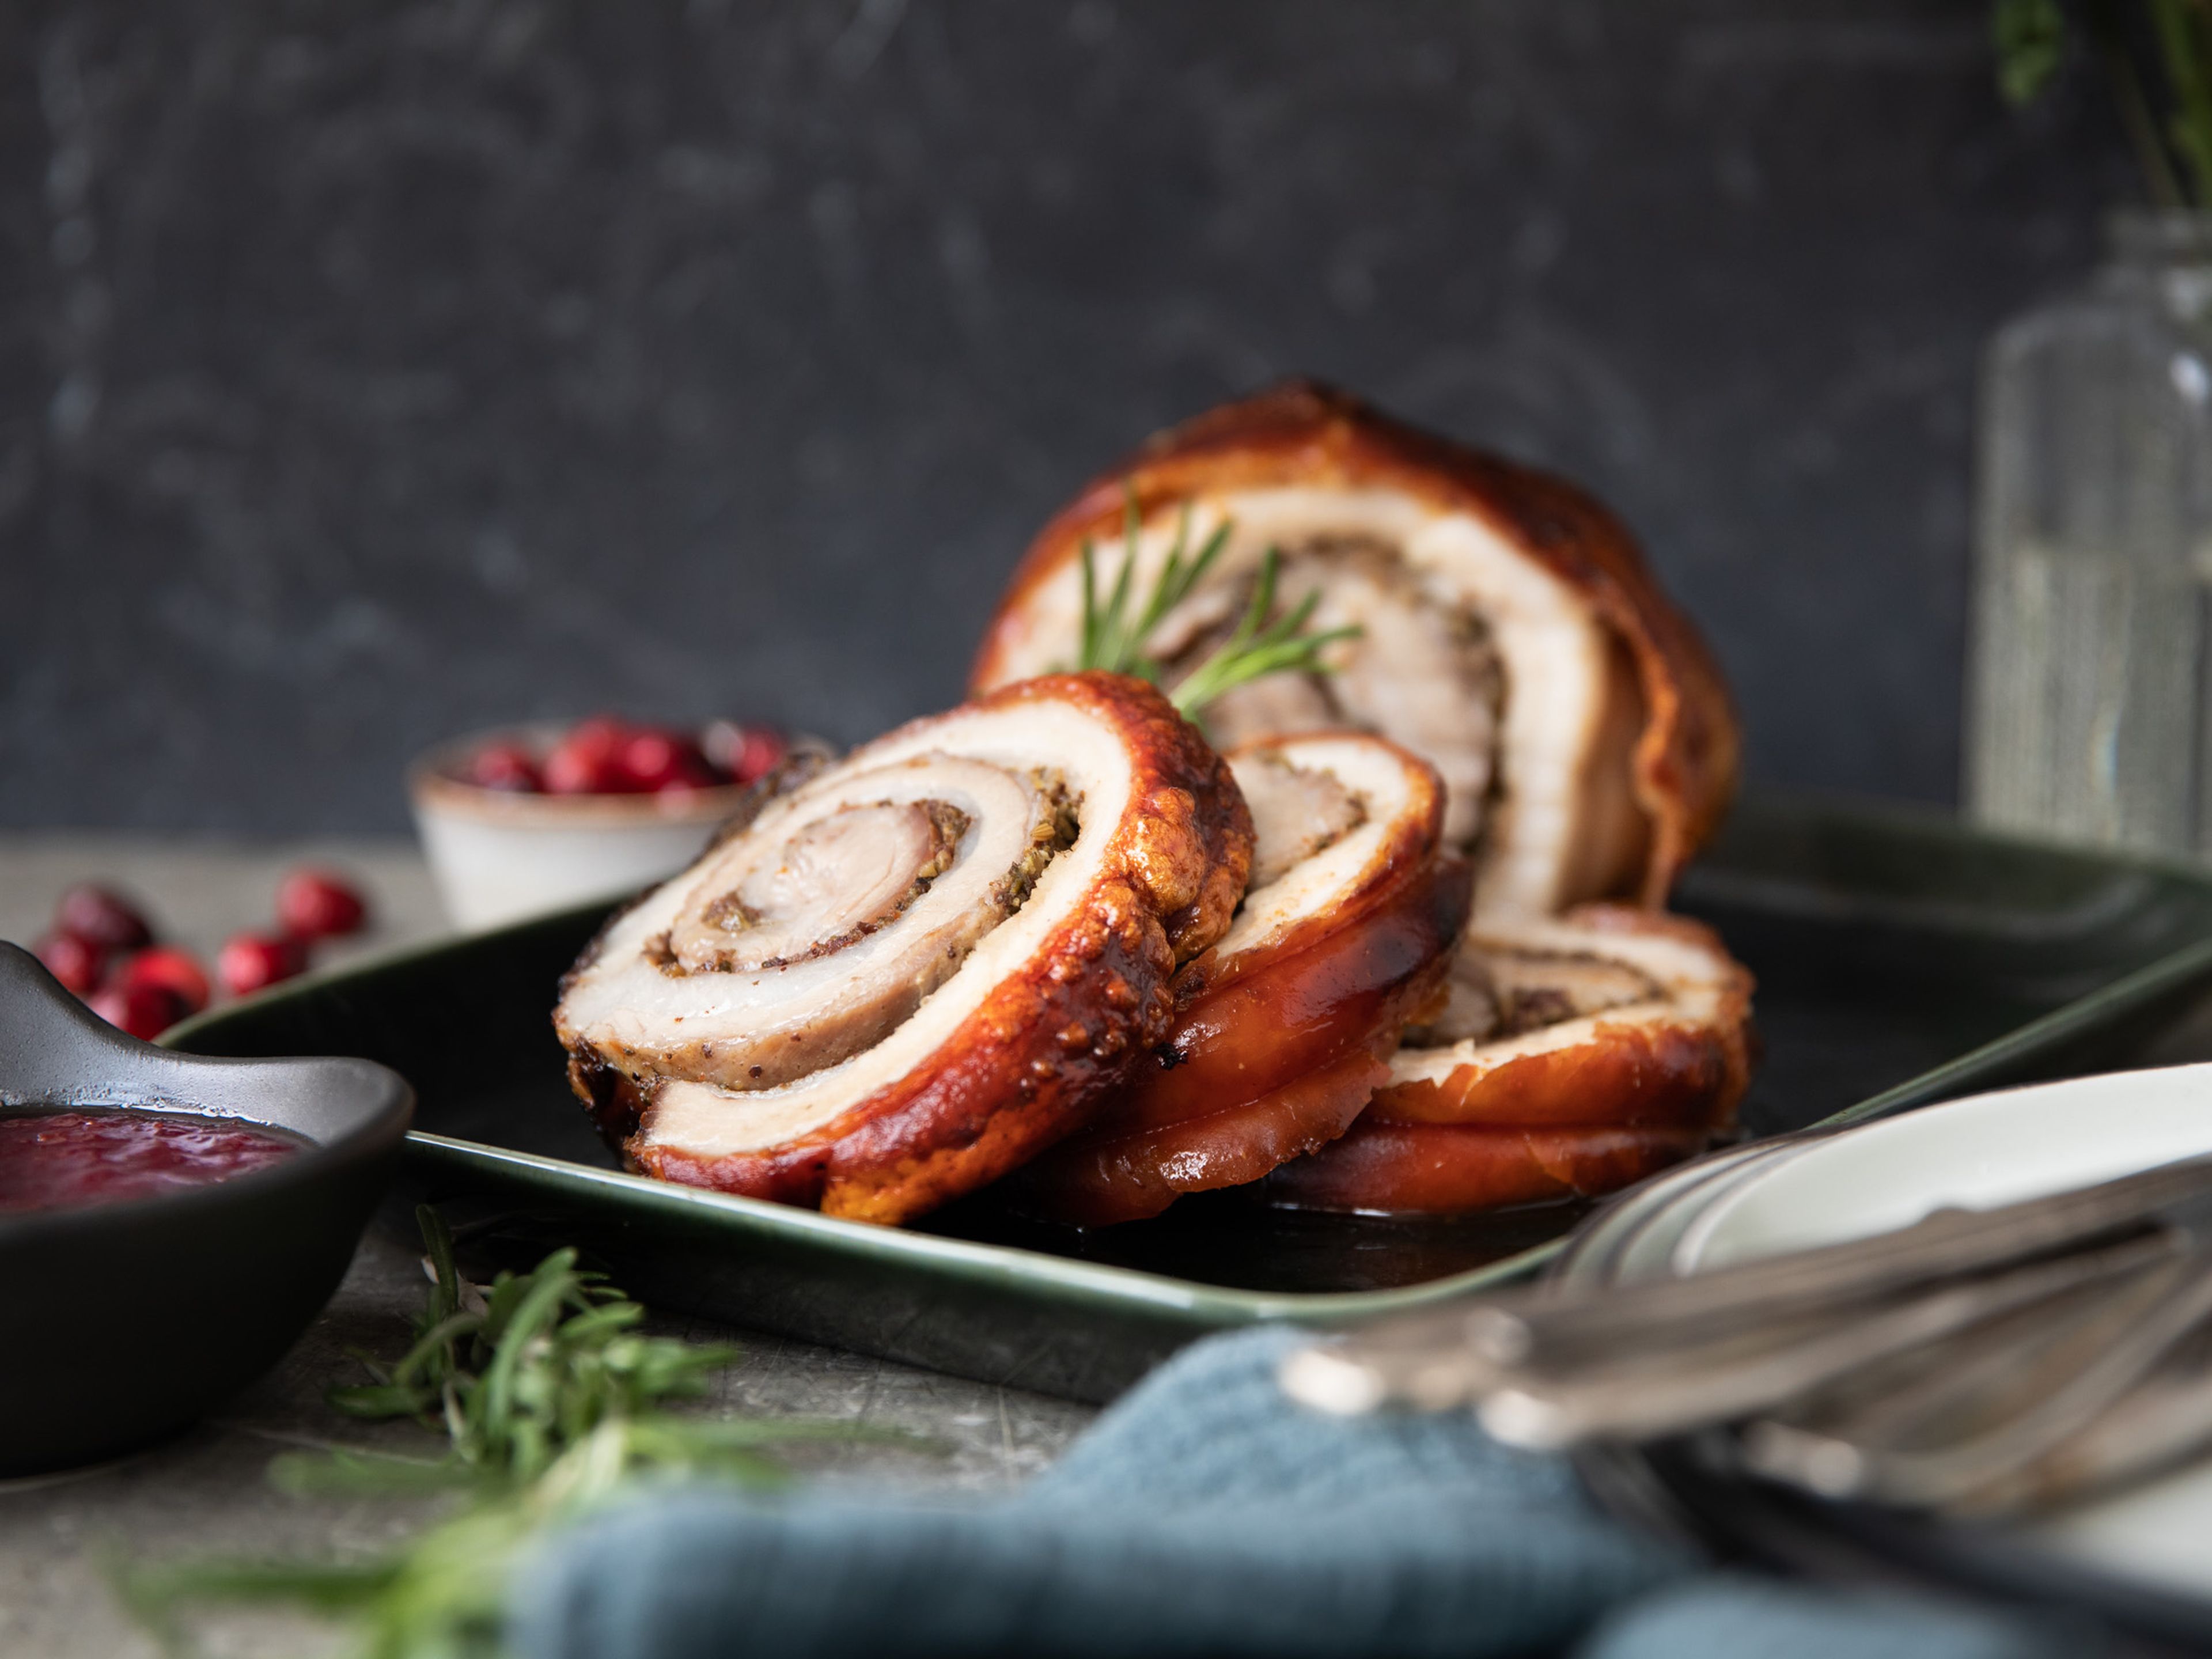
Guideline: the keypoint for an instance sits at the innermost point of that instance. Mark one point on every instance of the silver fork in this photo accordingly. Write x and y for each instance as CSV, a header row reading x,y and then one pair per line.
x,y
1959,1360
2089,1367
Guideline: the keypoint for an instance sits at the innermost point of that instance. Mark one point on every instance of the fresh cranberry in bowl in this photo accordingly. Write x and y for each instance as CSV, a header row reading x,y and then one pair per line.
x,y
588,760
652,759
619,803
508,767
746,753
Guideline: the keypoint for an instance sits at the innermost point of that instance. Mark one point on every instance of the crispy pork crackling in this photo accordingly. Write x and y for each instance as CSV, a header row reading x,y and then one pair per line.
x,y
921,965
1512,635
1574,1055
1286,1026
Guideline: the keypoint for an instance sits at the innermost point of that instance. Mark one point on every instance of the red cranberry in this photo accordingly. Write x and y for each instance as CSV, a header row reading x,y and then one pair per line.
x,y
653,759
587,761
102,916
746,752
760,751
600,737
174,970
73,959
505,766
145,1011
250,962
319,905
698,776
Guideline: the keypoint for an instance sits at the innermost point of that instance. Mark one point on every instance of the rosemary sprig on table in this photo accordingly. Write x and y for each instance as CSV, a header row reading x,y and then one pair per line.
x,y
1257,647
549,1400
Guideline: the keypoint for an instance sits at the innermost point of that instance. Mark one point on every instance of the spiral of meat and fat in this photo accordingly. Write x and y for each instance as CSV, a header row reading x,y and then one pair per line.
x,y
922,964
1511,633
1284,1027
1572,1055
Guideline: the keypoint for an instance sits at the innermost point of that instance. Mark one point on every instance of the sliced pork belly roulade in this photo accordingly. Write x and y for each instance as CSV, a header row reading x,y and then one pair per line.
x,y
1511,633
922,964
1574,1056
1285,1027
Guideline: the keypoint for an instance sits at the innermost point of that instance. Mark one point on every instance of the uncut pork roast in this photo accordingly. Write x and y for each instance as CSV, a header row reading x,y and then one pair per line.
x,y
1511,635
1287,1027
919,966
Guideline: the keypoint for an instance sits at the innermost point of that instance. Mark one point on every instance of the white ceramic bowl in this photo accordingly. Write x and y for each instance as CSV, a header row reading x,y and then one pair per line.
x,y
499,856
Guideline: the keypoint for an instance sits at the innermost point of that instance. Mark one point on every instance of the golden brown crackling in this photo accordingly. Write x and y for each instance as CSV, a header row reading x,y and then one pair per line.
x,y
1640,1091
1658,1072
1421,1169
1049,1042
1673,1068
1415,843
1276,1047
1306,434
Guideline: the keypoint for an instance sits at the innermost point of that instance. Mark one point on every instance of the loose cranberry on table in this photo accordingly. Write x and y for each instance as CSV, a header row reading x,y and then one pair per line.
x,y
174,970
102,915
73,959
319,905
252,962
144,1010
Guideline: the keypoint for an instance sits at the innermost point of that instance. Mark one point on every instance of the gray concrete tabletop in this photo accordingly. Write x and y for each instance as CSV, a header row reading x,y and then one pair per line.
x,y
206,1493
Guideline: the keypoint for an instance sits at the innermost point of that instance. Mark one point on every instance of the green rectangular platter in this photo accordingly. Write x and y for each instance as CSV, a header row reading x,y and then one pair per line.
x,y
1901,960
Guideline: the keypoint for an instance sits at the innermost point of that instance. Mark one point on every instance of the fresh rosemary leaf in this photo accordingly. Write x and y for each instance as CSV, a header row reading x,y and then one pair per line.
x,y
1258,647
550,1398
325,1586
1111,640
2030,38
378,1400
362,1473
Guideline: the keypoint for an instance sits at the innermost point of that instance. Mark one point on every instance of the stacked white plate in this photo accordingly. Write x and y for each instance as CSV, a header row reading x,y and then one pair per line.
x,y
1987,1150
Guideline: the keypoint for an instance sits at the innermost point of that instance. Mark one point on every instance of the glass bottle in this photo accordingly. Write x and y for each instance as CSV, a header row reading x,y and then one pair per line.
x,y
2089,718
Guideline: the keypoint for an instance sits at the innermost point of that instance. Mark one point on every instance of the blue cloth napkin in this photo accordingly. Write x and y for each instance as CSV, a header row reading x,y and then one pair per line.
x,y
1203,1514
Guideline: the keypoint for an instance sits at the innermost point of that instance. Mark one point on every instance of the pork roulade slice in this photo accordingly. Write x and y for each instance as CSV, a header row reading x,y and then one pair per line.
x,y
1286,1027
922,964
1573,1056
1511,633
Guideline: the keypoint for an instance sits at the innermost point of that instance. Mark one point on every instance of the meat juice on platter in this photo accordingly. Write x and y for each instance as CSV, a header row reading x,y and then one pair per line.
x,y
1333,876
64,1157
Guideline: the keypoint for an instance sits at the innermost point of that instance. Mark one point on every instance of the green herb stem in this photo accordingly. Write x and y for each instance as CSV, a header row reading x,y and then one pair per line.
x,y
1111,639
549,1398
2030,41
1258,647
2185,43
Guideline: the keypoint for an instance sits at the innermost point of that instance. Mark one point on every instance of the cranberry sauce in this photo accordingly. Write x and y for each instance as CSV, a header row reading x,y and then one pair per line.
x,y
57,1159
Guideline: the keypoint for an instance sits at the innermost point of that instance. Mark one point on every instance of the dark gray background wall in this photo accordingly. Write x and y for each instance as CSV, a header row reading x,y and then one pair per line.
x,y
369,372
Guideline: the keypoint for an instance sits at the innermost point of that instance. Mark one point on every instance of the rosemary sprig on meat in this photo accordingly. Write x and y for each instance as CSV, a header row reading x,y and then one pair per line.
x,y
549,1398
1256,647
1259,648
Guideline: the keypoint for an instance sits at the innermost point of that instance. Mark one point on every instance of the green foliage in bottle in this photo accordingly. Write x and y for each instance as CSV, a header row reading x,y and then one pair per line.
x,y
2157,55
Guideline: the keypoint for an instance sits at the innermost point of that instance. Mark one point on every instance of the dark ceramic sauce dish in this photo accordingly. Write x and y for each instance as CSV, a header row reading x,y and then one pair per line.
x,y
122,1322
